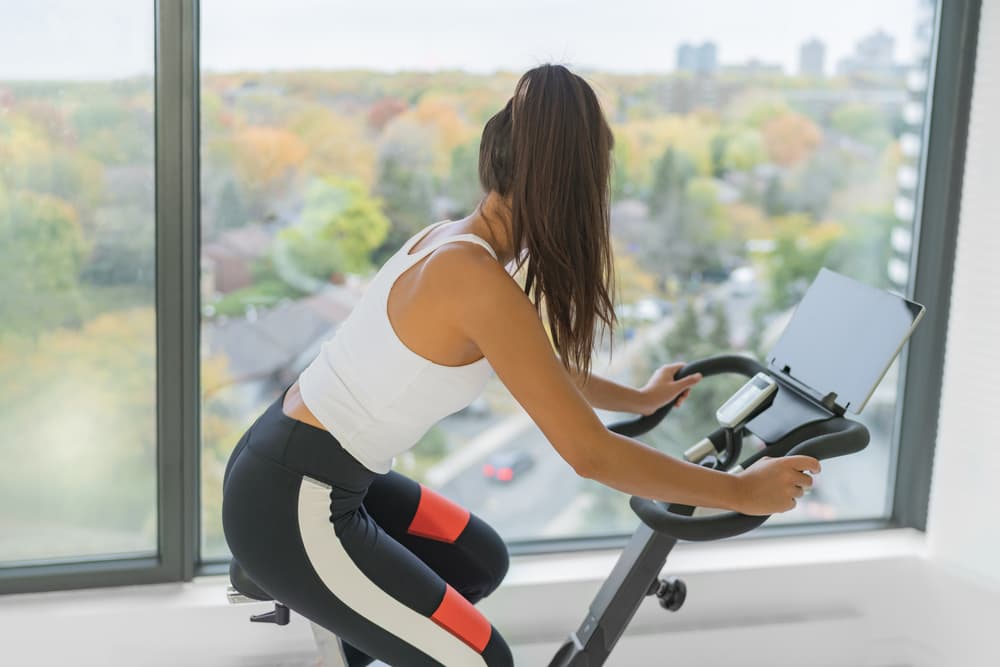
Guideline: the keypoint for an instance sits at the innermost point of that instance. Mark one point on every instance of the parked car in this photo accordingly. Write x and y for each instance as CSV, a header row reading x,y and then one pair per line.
x,y
507,465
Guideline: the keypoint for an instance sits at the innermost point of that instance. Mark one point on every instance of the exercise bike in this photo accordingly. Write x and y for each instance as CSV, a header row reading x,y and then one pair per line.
x,y
829,359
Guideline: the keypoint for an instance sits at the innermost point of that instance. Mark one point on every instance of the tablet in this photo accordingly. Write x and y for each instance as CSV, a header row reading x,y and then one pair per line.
x,y
843,337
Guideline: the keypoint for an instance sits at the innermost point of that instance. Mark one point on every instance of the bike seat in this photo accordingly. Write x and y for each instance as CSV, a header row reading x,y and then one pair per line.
x,y
245,585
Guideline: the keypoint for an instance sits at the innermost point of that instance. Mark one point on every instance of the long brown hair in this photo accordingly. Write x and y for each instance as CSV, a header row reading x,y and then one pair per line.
x,y
549,150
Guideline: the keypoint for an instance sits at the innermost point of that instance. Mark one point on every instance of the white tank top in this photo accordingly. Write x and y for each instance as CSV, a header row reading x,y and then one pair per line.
x,y
370,391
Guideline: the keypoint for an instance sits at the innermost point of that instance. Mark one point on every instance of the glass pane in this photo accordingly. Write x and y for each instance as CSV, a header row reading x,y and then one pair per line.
x,y
77,263
744,161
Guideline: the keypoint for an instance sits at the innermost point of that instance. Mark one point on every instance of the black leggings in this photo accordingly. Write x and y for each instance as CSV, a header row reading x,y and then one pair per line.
x,y
388,565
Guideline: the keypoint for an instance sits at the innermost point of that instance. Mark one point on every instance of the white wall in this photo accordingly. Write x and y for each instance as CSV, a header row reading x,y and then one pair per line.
x,y
963,527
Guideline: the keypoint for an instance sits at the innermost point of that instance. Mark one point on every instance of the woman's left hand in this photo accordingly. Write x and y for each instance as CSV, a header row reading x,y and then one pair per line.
x,y
662,388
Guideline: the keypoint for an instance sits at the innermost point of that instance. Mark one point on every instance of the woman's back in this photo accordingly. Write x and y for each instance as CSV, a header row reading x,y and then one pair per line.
x,y
371,391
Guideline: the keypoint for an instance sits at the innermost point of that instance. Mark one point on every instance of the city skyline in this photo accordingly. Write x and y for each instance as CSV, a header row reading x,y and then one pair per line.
x,y
309,34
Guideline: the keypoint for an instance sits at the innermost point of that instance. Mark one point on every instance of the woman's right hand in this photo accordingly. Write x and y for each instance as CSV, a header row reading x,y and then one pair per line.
x,y
772,485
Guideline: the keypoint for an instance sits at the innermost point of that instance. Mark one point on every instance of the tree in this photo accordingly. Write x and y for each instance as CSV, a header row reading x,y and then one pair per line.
x,y
718,150
863,123
718,335
813,184
743,151
124,247
463,185
42,249
670,178
864,250
686,220
692,337
99,449
439,117
340,226
264,157
802,248
774,196
405,185
230,212
383,111
790,138
621,181
337,144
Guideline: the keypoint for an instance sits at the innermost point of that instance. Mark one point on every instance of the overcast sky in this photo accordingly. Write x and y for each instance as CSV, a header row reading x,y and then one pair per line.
x,y
112,38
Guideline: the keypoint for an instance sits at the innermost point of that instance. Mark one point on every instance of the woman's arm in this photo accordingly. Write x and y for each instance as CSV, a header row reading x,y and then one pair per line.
x,y
483,303
607,394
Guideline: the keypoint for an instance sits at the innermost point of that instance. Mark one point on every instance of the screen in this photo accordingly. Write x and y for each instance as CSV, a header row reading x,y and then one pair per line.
x,y
843,337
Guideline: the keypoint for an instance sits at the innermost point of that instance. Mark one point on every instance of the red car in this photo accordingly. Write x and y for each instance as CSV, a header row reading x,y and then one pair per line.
x,y
506,465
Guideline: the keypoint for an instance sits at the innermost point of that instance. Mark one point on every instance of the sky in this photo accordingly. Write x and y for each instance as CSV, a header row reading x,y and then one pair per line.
x,y
99,39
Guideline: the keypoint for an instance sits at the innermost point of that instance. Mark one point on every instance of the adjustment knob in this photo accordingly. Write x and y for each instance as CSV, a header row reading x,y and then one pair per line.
x,y
672,592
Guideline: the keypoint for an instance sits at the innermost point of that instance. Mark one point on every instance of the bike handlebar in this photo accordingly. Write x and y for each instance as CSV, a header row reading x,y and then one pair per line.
x,y
837,437
717,365
824,439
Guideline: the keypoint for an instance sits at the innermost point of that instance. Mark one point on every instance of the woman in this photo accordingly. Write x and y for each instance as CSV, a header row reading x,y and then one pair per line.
x,y
312,509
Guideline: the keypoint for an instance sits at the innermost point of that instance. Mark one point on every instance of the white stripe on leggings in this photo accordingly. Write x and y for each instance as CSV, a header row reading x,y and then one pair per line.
x,y
348,583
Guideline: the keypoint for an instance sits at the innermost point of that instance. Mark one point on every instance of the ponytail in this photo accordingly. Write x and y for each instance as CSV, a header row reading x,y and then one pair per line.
x,y
549,150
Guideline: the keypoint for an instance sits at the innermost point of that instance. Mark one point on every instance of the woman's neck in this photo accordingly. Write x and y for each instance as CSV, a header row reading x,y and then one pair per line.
x,y
491,220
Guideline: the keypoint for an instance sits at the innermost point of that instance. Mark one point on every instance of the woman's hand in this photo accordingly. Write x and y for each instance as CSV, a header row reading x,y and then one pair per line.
x,y
662,388
774,484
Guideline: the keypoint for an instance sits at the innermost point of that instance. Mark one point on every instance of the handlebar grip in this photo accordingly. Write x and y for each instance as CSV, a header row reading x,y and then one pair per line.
x,y
717,365
852,439
693,529
822,440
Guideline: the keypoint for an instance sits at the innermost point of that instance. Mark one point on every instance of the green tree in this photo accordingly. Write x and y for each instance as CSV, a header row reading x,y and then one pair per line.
x,y
718,335
42,249
694,336
230,211
670,178
463,183
124,247
621,181
774,196
864,250
340,226
405,185
802,248
717,150
862,122
743,151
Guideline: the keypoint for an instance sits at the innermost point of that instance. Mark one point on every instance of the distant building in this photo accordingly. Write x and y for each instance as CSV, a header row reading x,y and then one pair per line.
x,y
876,49
697,58
812,59
901,237
226,262
874,55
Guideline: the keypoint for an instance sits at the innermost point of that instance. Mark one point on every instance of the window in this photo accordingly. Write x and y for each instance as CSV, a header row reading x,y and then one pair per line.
x,y
172,174
742,165
77,304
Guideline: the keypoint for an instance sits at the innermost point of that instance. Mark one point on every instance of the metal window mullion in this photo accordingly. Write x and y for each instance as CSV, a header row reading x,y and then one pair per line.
x,y
177,266
933,261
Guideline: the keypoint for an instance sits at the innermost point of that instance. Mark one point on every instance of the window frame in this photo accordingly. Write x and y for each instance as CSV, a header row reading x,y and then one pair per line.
x,y
178,320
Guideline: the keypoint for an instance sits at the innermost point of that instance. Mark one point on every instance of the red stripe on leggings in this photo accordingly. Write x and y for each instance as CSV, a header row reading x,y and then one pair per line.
x,y
438,517
457,615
